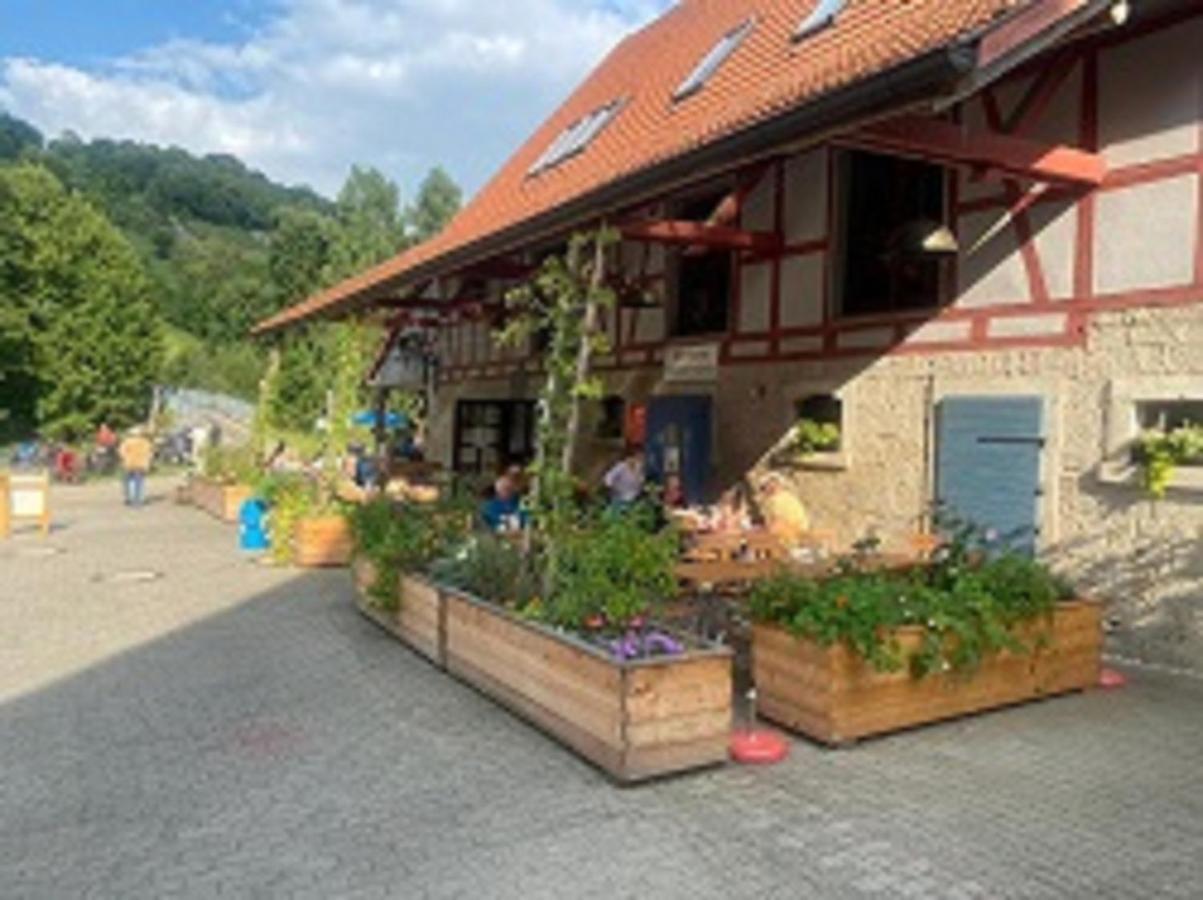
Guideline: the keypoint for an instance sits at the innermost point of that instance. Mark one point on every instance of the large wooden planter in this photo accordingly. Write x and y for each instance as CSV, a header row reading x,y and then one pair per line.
x,y
323,542
224,501
635,720
833,696
418,620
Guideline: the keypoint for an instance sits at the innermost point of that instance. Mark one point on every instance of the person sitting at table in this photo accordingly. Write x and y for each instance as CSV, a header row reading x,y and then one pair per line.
x,y
784,515
730,516
502,511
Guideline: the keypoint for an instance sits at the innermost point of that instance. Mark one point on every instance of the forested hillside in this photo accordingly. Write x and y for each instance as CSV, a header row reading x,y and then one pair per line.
x,y
217,246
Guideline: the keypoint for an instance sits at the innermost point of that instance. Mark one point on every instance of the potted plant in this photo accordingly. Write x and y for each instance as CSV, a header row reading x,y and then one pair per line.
x,y
224,482
588,663
867,652
394,545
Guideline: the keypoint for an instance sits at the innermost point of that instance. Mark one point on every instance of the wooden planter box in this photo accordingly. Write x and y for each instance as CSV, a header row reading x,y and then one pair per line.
x,y
635,720
323,542
418,621
833,696
220,500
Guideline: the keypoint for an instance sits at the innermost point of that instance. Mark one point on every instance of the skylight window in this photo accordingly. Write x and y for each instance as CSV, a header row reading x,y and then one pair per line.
x,y
576,137
823,15
710,63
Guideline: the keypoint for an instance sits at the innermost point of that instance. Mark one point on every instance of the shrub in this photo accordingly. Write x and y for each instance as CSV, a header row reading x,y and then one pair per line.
x,y
613,570
489,567
404,538
968,611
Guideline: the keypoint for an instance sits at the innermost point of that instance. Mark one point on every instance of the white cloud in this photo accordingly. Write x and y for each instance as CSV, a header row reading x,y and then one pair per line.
x,y
400,84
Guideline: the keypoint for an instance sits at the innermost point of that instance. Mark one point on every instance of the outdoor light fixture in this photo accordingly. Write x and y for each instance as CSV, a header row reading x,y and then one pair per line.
x,y
1120,12
923,238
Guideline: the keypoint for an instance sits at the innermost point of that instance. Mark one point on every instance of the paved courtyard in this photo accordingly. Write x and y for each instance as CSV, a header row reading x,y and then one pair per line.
x,y
230,730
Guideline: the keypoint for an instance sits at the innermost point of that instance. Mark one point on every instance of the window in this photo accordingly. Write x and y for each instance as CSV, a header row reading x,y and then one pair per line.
x,y
893,219
1166,416
576,137
703,279
710,63
820,423
824,14
490,435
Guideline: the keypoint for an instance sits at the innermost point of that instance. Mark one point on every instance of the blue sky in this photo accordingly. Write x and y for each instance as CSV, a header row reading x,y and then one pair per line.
x,y
302,89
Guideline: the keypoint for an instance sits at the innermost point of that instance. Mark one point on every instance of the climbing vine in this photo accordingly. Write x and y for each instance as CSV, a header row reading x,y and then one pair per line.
x,y
564,302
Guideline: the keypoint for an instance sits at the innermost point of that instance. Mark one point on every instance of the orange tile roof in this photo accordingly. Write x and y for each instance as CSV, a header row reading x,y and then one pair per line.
x,y
768,75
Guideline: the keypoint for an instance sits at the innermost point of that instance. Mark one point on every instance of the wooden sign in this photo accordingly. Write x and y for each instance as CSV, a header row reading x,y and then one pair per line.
x,y
24,498
691,363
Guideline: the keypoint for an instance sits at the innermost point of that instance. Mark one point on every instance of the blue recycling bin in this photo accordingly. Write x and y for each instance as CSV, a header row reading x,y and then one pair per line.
x,y
252,526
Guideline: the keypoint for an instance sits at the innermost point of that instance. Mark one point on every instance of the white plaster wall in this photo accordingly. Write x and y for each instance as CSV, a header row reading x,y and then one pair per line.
x,y
990,269
758,212
802,290
755,298
1146,235
1151,95
1055,232
805,216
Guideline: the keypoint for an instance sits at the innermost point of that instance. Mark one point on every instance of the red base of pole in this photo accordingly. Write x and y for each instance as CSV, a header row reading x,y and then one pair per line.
x,y
758,748
1111,679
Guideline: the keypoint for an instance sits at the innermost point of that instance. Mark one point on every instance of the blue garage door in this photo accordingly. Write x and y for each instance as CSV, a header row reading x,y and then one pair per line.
x,y
988,464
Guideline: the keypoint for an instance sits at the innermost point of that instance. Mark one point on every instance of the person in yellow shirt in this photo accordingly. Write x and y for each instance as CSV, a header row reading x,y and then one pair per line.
x,y
135,452
784,515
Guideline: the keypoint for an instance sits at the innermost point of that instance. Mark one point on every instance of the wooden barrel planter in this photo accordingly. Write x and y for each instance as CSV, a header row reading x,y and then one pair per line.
x,y
635,720
223,501
323,542
832,695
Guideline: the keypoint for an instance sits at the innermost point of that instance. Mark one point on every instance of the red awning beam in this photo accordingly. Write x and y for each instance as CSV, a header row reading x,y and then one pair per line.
x,y
946,142
699,234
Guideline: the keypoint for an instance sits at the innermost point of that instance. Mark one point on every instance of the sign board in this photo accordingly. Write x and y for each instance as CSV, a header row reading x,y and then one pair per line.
x,y
24,498
691,363
404,367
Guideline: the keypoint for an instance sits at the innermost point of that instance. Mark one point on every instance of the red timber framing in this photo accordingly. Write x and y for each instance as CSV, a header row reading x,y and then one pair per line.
x,y
1009,156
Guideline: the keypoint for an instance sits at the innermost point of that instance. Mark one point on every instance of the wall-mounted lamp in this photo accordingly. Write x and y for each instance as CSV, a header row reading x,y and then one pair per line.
x,y
1120,12
923,238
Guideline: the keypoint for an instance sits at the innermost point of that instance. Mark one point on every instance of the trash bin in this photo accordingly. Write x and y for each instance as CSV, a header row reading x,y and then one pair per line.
x,y
252,526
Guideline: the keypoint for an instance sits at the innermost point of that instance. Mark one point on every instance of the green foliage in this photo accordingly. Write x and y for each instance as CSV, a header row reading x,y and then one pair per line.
x,y
17,138
81,336
290,498
490,567
229,464
402,538
563,301
612,571
371,226
968,607
809,437
1162,452
299,253
439,199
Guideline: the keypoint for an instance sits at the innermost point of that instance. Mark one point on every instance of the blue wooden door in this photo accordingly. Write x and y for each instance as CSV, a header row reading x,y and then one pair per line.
x,y
988,465
679,435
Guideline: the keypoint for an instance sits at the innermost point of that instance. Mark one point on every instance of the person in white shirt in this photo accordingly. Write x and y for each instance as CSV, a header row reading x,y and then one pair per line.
x,y
626,479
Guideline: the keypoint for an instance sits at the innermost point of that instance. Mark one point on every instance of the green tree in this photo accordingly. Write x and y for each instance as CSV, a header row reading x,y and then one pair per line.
x,y
370,224
439,199
17,137
300,253
84,334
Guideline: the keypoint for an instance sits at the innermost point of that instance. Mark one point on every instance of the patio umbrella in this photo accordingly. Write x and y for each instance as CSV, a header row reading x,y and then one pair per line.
x,y
393,421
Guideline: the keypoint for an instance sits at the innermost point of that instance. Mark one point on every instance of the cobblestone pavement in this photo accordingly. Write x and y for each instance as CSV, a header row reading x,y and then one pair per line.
x,y
230,730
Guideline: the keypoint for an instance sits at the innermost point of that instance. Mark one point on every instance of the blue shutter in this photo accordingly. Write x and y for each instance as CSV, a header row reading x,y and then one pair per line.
x,y
988,464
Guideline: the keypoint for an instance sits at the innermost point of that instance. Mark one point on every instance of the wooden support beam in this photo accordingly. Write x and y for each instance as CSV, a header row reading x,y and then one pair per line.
x,y
946,142
699,234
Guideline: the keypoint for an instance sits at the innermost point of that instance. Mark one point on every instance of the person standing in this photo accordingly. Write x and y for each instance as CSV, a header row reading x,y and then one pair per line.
x,y
626,479
135,452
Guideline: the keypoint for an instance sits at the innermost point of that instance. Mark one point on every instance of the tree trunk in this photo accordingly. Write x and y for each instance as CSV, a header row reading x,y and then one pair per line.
x,y
584,355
